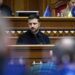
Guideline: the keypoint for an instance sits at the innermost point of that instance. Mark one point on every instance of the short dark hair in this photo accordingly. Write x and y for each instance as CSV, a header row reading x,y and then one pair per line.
x,y
33,16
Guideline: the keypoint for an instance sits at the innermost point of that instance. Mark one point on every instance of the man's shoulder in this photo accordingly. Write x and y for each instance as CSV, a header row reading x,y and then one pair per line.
x,y
45,38
22,38
24,34
44,35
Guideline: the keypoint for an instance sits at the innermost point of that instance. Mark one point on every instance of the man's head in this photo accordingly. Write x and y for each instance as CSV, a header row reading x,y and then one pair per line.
x,y
71,3
33,23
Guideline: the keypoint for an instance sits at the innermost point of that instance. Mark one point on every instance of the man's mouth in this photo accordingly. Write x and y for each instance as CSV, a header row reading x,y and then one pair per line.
x,y
32,28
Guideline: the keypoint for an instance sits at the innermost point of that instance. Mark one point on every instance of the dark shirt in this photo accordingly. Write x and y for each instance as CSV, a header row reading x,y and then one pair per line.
x,y
5,10
30,38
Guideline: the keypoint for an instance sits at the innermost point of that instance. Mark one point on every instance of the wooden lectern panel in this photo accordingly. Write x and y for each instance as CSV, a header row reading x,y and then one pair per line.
x,y
31,52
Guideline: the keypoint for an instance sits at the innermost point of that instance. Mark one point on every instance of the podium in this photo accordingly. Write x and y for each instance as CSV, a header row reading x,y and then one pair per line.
x,y
31,53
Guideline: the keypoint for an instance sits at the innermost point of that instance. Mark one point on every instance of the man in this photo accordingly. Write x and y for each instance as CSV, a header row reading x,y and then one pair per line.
x,y
4,9
67,12
33,35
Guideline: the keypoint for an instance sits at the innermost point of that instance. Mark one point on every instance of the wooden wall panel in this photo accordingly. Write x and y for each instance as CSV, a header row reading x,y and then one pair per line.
x,y
49,23
7,2
33,4
32,53
39,5
42,6
19,4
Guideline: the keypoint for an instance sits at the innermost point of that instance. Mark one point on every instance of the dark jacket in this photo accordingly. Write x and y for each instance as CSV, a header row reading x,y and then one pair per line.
x,y
30,38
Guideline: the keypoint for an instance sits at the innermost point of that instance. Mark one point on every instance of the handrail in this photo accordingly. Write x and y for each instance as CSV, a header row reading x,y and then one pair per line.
x,y
38,45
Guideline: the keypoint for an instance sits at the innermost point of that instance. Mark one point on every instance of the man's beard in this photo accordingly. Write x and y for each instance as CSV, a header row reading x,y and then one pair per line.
x,y
34,31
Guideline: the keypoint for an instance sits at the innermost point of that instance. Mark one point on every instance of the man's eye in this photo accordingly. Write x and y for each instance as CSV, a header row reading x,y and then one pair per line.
x,y
34,23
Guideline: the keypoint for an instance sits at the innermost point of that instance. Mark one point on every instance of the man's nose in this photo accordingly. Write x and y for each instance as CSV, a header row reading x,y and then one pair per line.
x,y
32,25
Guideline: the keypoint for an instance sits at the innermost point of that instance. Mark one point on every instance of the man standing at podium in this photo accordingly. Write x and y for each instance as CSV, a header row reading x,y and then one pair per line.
x,y
33,34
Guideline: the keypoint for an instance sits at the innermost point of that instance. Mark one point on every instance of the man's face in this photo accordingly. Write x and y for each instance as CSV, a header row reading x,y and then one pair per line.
x,y
33,25
72,3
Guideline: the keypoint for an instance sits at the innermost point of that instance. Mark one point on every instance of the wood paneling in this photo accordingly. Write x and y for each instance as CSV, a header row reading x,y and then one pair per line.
x,y
46,22
33,4
31,52
19,4
42,6
39,5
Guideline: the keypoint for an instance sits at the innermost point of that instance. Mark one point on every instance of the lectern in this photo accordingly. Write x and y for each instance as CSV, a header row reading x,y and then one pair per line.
x,y
31,53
